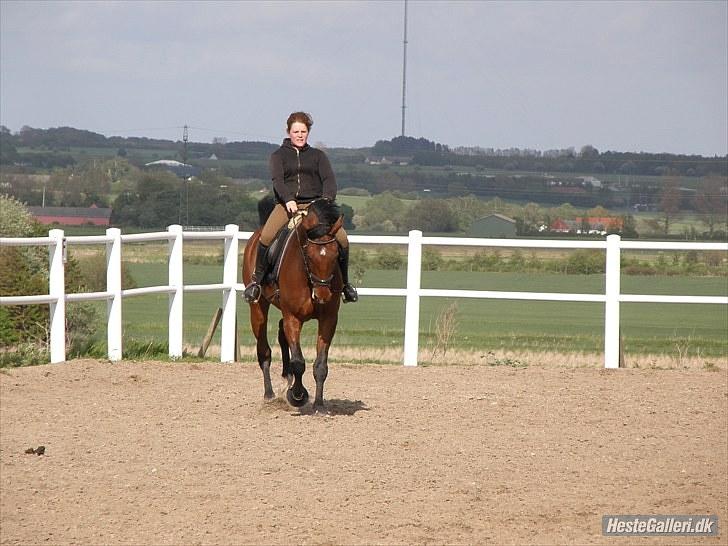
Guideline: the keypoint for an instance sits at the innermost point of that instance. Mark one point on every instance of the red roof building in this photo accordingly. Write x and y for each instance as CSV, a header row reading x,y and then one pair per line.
x,y
72,216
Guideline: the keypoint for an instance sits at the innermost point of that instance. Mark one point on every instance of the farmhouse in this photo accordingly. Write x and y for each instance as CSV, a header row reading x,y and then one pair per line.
x,y
493,225
591,224
72,216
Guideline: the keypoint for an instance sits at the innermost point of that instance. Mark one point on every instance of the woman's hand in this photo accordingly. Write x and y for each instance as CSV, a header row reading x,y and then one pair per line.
x,y
291,207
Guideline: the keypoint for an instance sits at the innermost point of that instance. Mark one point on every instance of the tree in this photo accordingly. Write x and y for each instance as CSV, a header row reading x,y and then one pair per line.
x,y
598,211
381,208
565,211
711,201
431,215
467,209
588,152
629,227
669,202
8,151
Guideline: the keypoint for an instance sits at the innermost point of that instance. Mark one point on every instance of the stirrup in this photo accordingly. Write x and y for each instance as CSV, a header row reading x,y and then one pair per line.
x,y
349,294
252,292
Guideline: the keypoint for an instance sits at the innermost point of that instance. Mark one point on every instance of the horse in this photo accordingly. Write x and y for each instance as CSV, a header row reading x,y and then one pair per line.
x,y
308,287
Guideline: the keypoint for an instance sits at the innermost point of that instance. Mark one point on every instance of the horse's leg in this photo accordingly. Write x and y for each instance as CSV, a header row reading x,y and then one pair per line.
x,y
297,394
285,354
259,323
326,330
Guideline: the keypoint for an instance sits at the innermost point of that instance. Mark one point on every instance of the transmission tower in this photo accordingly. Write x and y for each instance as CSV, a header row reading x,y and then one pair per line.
x,y
185,138
404,66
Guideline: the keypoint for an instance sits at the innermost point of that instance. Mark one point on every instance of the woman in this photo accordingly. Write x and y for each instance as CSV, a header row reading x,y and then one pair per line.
x,y
300,175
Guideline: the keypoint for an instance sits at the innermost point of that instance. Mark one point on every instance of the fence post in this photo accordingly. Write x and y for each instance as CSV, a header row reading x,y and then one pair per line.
x,y
412,306
113,285
176,283
229,302
57,289
611,306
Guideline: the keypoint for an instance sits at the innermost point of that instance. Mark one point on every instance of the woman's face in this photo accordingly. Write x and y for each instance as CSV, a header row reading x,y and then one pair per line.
x,y
298,134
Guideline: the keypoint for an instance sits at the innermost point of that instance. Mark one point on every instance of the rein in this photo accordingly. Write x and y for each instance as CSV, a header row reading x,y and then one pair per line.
x,y
313,280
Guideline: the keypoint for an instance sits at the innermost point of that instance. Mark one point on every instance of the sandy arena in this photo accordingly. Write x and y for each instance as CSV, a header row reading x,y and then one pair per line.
x,y
179,453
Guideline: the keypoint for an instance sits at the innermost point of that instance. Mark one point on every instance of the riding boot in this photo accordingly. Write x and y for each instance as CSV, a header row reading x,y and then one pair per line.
x,y
253,291
348,292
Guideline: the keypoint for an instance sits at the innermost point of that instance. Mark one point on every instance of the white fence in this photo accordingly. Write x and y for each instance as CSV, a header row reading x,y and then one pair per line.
x,y
57,298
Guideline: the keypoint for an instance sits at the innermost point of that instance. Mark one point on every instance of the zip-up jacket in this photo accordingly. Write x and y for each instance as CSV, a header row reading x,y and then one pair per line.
x,y
301,175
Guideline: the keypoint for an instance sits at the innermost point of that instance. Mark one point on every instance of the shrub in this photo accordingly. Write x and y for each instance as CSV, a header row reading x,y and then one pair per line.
x,y
92,270
388,258
24,354
431,260
23,272
483,261
585,262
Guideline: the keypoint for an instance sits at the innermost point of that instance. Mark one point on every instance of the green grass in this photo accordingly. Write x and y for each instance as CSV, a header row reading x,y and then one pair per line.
x,y
378,321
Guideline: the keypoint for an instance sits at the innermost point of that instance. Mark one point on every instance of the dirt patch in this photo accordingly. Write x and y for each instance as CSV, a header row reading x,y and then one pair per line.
x,y
159,453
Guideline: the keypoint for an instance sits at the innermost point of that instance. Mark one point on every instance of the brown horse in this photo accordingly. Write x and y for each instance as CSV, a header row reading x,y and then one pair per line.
x,y
309,287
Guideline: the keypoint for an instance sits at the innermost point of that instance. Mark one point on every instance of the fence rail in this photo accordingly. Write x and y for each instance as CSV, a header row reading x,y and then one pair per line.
x,y
229,288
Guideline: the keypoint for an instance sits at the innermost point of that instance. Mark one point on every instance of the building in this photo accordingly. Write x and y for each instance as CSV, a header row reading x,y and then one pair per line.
x,y
493,225
183,170
592,225
72,216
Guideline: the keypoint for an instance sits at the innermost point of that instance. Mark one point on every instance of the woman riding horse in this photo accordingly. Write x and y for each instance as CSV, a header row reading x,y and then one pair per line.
x,y
308,286
301,174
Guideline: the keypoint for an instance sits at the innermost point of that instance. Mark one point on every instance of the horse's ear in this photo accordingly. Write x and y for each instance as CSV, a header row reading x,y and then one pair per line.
x,y
337,225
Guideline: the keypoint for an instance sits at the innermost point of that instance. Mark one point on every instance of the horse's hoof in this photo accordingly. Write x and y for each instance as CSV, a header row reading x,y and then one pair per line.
x,y
297,401
320,409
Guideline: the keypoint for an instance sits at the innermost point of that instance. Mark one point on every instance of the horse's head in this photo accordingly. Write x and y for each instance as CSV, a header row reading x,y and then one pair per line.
x,y
320,249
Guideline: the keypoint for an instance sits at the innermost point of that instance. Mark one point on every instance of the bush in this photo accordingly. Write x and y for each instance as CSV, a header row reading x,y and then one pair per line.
x,y
92,270
17,278
585,262
431,260
388,258
24,354
483,261
24,272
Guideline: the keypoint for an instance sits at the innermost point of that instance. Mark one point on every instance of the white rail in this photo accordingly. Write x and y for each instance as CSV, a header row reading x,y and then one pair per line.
x,y
175,288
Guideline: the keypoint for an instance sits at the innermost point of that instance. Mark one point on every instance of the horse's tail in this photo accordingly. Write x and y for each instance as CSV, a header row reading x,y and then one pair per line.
x,y
265,207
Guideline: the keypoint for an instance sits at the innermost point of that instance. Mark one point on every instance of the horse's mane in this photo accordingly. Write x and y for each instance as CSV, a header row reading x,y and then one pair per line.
x,y
327,212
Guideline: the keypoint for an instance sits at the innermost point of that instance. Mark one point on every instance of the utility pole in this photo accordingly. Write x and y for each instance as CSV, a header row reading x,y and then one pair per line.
x,y
404,66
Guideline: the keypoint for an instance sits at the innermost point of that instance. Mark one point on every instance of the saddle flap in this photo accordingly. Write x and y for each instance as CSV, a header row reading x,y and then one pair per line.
x,y
277,249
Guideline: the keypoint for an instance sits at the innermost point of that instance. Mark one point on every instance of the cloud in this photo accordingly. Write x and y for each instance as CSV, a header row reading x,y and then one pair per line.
x,y
538,74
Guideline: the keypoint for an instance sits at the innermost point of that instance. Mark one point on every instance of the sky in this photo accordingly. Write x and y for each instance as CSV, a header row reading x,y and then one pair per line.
x,y
648,76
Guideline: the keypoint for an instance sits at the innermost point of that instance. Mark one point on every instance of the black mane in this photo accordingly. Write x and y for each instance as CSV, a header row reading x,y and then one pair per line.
x,y
327,212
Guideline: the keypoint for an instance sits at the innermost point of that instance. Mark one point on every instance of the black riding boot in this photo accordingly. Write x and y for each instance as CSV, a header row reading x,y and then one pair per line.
x,y
253,291
349,292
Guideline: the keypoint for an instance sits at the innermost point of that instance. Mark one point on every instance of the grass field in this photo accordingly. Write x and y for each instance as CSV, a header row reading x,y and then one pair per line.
x,y
481,325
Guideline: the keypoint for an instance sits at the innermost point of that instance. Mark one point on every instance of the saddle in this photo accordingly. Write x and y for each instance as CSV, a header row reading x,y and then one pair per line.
x,y
277,249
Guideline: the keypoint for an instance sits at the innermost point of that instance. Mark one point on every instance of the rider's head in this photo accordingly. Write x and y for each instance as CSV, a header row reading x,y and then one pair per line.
x,y
299,124
299,117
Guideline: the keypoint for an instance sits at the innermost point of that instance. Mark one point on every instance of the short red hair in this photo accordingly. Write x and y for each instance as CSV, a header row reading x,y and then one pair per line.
x,y
300,117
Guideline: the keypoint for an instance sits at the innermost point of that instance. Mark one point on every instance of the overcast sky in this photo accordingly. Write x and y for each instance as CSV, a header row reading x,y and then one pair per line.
x,y
626,76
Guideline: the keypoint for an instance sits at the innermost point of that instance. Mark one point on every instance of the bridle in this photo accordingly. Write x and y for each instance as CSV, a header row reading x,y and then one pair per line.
x,y
313,280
